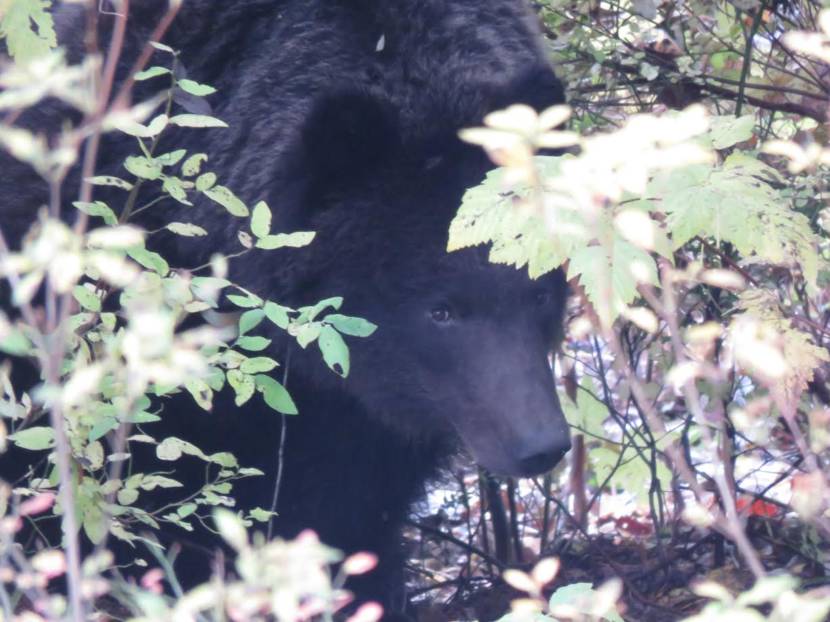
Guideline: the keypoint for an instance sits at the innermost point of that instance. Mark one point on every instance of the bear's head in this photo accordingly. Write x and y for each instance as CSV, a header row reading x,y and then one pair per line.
x,y
462,348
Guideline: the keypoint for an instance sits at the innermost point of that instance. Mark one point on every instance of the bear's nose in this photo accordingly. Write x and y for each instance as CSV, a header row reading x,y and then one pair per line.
x,y
543,461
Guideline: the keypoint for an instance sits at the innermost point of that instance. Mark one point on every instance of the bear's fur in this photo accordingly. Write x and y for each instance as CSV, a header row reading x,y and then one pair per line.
x,y
343,116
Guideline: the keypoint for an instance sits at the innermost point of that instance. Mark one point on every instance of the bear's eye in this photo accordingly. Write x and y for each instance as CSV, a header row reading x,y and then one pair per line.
x,y
441,314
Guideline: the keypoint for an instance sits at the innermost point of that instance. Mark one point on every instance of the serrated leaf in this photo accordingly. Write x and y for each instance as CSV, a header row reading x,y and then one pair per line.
x,y
734,203
335,351
227,199
727,131
275,395
610,276
518,236
196,120
587,414
28,29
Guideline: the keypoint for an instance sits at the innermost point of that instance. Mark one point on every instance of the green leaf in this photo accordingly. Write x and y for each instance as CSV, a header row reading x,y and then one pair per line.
x,y
250,320
186,229
133,128
186,510
275,395
227,199
260,515
587,414
14,342
354,326
205,181
246,302
253,344
200,391
488,214
86,298
277,314
257,365
98,208
242,385
34,439
193,164
151,482
335,351
727,131
308,314
150,260
109,180
151,72
162,48
196,120
175,188
172,448
94,523
194,88
28,28
171,158
285,240
735,203
102,427
308,333
224,459
127,496
261,220
610,276
142,167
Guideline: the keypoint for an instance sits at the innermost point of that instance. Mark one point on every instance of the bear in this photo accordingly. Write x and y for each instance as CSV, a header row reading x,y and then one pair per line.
x,y
343,115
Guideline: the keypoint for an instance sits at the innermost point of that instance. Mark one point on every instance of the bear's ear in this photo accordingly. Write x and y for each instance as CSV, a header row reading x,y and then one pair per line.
x,y
347,135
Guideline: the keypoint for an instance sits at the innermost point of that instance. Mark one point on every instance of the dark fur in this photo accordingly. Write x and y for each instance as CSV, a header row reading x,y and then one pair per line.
x,y
360,145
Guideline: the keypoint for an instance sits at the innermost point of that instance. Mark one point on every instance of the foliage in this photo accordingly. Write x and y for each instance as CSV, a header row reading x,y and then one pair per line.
x,y
108,323
696,363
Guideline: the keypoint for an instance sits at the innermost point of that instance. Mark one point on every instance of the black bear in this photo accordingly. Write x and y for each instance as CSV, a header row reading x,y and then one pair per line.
x,y
343,116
